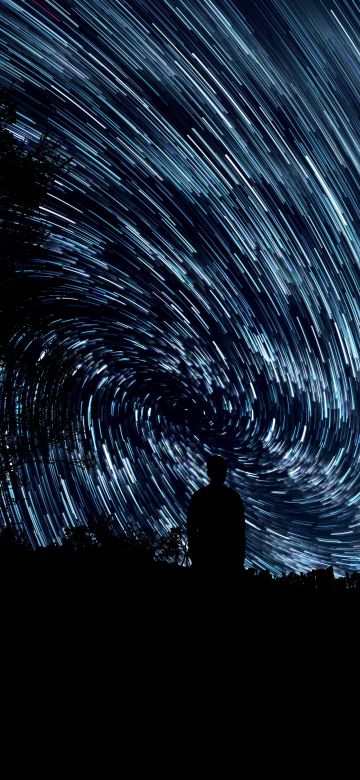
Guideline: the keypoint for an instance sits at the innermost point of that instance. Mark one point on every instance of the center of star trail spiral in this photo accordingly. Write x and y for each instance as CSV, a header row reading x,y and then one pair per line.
x,y
204,245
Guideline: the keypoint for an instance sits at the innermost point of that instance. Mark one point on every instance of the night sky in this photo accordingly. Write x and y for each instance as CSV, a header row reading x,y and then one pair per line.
x,y
205,257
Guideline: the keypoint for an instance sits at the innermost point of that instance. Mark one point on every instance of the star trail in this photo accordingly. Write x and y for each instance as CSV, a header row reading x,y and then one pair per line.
x,y
205,257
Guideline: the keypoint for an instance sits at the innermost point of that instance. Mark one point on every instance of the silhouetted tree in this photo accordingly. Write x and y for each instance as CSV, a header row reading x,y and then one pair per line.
x,y
44,433
14,540
103,527
27,174
172,547
79,540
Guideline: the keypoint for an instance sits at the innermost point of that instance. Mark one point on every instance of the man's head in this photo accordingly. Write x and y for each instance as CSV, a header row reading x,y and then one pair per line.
x,y
216,469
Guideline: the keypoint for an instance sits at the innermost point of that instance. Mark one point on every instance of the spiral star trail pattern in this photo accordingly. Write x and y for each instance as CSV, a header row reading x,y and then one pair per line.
x,y
204,245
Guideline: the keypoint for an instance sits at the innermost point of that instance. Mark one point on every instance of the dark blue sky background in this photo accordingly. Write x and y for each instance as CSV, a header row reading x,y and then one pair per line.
x,y
205,260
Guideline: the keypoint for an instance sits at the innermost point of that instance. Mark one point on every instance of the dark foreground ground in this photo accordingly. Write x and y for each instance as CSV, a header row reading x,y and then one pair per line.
x,y
151,649
101,592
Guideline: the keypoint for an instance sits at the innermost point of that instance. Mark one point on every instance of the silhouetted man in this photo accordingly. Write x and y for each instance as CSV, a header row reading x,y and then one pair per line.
x,y
216,524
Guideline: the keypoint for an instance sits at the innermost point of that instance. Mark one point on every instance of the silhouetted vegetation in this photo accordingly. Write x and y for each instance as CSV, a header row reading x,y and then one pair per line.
x,y
28,173
14,541
97,549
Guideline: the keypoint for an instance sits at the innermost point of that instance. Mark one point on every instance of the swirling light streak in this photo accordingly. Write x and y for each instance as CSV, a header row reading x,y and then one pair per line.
x,y
206,258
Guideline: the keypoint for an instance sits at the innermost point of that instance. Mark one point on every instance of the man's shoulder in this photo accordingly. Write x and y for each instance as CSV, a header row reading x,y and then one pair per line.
x,y
231,492
203,491
208,492
202,496
233,495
